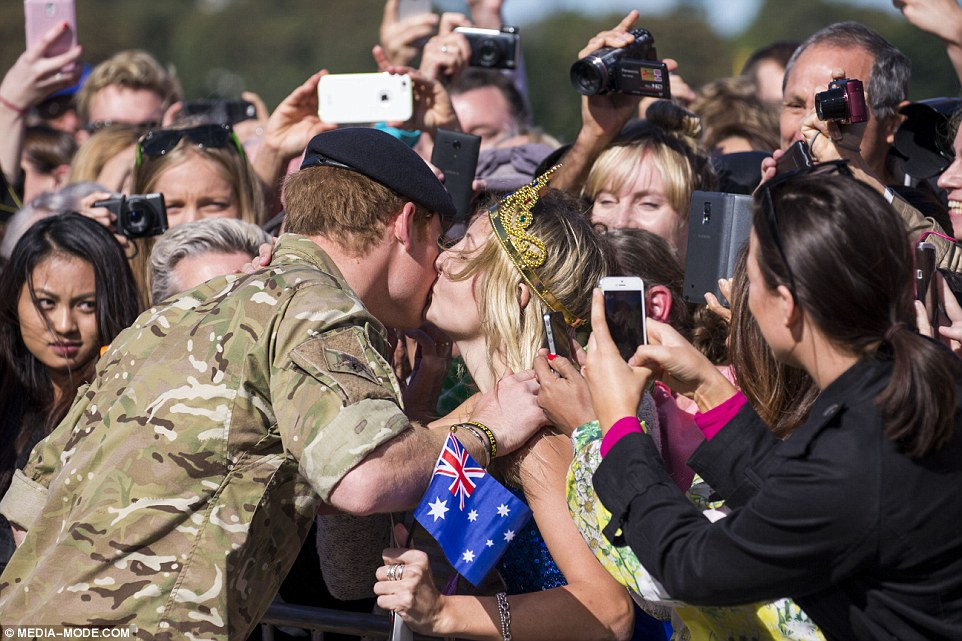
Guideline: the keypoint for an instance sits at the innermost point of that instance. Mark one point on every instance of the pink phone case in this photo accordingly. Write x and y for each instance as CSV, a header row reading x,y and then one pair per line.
x,y
41,15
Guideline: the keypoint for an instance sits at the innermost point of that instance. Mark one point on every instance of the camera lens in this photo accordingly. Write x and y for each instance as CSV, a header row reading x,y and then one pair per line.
x,y
831,105
488,53
137,220
589,77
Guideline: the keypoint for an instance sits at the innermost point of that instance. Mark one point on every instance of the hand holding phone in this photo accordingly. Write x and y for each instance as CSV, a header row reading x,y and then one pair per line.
x,y
625,312
926,289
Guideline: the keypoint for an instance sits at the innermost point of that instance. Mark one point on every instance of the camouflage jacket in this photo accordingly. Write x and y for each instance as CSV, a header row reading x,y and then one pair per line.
x,y
178,490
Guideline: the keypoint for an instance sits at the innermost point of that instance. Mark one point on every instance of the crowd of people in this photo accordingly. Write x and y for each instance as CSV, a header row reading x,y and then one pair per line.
x,y
231,346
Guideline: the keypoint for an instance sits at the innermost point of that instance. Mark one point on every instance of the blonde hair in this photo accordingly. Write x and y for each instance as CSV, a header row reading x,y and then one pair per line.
x,y
132,69
99,149
669,136
576,258
228,161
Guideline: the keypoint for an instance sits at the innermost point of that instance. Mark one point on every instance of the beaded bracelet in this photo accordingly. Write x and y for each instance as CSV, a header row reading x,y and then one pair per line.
x,y
504,611
477,435
487,432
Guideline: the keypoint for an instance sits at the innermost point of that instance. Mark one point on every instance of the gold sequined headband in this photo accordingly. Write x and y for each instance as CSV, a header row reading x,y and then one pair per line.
x,y
510,219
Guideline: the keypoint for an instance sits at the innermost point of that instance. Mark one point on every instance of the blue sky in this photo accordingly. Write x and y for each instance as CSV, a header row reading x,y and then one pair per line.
x,y
730,15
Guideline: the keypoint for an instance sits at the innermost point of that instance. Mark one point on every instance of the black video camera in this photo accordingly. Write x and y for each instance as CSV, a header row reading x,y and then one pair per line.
x,y
138,216
634,69
493,48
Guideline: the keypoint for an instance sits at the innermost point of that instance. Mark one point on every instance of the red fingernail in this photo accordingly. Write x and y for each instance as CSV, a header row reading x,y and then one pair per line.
x,y
551,357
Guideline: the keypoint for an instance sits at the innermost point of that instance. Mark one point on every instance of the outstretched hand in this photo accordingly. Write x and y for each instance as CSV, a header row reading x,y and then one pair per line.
x,y
432,104
34,75
563,393
511,410
402,40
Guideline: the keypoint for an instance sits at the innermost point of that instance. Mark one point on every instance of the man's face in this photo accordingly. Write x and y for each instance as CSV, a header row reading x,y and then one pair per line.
x,y
485,112
415,274
116,104
812,72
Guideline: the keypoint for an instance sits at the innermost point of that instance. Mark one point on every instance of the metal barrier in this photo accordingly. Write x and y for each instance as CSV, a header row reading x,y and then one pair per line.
x,y
320,620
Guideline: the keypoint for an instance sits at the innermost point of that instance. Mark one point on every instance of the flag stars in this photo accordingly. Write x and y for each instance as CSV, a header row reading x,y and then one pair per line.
x,y
509,535
468,556
503,510
489,543
473,516
438,508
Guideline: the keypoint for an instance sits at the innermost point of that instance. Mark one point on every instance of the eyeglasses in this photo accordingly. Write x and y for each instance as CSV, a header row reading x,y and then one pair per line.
x,y
158,142
765,196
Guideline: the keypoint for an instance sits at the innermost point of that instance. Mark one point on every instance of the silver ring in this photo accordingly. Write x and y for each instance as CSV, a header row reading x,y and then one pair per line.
x,y
444,48
395,571
58,77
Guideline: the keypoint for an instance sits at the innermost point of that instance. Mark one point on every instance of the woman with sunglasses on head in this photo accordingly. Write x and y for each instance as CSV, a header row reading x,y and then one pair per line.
x,y
555,587
854,515
65,293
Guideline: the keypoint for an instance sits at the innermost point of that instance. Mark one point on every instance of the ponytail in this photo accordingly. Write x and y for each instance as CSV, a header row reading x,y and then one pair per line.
x,y
919,402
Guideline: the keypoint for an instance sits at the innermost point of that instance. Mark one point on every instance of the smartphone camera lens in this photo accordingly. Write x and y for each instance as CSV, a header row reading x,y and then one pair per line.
x,y
384,96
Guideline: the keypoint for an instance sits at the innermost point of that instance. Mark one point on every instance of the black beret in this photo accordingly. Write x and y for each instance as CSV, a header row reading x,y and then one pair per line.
x,y
384,159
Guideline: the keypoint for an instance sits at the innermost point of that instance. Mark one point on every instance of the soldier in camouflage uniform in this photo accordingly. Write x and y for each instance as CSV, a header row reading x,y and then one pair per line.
x,y
178,490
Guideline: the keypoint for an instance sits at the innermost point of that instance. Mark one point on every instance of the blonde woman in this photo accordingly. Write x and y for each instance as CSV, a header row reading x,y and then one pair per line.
x,y
516,262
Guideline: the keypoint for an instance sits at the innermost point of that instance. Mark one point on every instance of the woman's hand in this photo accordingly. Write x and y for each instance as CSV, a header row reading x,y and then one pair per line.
x,y
447,54
563,393
401,40
432,104
414,597
715,305
102,215
616,388
34,75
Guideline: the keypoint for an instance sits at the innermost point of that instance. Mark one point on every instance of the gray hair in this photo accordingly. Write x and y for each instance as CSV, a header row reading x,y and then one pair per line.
x,y
49,203
888,81
211,235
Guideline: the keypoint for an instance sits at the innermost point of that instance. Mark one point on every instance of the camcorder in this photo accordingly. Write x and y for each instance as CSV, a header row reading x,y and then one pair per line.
x,y
843,102
634,69
493,48
138,216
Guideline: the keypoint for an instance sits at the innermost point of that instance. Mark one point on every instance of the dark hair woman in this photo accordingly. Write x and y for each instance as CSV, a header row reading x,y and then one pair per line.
x,y
66,292
854,515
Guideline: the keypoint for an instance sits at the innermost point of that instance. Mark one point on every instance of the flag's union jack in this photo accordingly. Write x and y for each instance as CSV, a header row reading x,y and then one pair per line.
x,y
454,463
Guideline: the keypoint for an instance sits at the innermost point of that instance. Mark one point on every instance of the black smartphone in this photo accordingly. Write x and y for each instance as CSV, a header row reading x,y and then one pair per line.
x,y
718,228
625,312
926,289
226,111
797,156
557,338
456,154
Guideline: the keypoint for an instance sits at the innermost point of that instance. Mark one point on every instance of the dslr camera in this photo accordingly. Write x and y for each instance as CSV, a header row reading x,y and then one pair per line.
x,y
493,48
138,216
634,69
843,102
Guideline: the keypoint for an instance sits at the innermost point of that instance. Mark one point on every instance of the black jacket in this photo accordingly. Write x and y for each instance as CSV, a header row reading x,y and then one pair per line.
x,y
866,540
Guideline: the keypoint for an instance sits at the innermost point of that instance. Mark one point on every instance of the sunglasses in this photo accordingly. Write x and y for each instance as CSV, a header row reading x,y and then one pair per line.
x,y
765,195
158,142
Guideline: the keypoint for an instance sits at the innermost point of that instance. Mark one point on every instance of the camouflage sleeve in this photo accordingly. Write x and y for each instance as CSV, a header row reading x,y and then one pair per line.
x,y
23,501
334,395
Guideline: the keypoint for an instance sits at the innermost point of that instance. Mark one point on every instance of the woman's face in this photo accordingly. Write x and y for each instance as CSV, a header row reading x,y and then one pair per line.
x,y
642,204
60,330
194,189
115,174
454,303
766,305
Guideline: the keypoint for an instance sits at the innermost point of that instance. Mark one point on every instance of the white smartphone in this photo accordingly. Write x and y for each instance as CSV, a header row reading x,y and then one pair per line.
x,y
409,8
41,15
625,312
365,97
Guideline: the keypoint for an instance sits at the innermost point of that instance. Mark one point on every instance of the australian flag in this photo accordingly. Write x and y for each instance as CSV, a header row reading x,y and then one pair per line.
x,y
472,516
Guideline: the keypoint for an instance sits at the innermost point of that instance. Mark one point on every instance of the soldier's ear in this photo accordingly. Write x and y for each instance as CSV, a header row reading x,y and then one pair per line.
x,y
404,226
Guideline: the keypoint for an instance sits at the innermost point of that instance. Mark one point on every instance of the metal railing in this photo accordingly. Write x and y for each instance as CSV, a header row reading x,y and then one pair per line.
x,y
317,621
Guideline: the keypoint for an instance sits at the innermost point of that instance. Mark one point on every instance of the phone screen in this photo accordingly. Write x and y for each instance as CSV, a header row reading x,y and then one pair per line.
x,y
625,313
